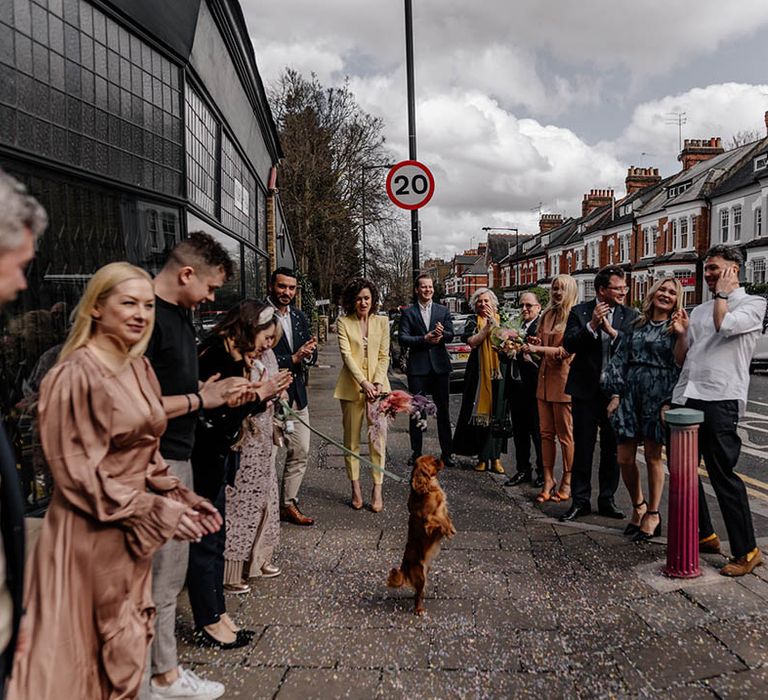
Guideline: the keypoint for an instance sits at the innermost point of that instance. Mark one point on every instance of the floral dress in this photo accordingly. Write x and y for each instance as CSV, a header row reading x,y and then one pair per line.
x,y
643,373
253,514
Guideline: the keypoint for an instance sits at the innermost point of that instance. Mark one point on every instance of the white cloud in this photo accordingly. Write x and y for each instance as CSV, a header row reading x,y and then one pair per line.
x,y
492,76
715,110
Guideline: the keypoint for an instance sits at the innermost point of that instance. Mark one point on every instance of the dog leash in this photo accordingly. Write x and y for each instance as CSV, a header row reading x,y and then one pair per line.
x,y
288,411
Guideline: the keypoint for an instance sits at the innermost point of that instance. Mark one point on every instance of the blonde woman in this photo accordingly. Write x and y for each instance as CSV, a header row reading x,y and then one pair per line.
x,y
364,346
484,397
640,376
555,418
90,614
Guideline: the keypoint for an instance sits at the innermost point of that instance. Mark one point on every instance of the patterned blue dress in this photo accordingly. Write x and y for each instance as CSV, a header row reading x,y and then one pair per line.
x,y
643,373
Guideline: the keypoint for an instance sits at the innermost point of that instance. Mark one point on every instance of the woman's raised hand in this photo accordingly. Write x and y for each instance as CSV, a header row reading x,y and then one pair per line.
x,y
275,385
679,322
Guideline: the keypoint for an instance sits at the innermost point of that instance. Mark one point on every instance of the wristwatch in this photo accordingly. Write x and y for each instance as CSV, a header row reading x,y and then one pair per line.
x,y
721,295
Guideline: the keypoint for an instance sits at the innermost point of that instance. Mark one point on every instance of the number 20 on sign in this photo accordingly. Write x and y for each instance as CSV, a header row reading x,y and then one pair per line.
x,y
410,184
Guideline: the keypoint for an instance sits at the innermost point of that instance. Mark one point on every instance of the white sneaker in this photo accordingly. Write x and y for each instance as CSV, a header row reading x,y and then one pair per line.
x,y
187,685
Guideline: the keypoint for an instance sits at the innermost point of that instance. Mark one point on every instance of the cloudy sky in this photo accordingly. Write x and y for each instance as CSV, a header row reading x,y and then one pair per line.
x,y
524,104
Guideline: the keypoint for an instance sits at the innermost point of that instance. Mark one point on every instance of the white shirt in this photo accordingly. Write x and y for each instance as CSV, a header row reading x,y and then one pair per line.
x,y
285,322
716,367
426,313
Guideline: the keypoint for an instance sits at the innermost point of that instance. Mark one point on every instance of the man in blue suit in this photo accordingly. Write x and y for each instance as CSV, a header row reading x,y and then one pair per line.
x,y
425,328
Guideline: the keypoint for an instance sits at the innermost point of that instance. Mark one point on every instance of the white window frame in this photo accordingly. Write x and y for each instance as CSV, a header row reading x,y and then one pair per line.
x,y
675,230
725,225
761,162
758,265
647,242
579,258
758,222
737,222
683,232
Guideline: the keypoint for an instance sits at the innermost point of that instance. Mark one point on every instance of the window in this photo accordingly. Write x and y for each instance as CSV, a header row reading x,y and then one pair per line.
x,y
238,193
82,90
647,242
202,143
579,258
761,162
758,222
725,217
684,233
737,223
624,248
758,271
674,234
540,269
554,265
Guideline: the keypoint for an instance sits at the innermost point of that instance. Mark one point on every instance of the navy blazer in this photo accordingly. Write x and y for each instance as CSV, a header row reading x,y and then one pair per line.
x,y
12,527
297,391
586,368
424,357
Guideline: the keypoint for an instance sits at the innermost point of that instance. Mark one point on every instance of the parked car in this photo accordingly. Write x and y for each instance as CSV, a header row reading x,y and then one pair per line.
x,y
458,350
760,355
398,355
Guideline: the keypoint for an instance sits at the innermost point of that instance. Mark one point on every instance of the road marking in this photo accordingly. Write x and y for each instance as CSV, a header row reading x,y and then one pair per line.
x,y
757,494
757,403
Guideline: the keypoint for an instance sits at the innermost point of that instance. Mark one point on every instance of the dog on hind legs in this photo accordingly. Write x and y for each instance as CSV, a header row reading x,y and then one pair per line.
x,y
428,523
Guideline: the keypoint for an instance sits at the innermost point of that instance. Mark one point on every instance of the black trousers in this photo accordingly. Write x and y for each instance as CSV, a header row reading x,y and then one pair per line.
x,y
589,416
524,410
205,575
438,386
720,445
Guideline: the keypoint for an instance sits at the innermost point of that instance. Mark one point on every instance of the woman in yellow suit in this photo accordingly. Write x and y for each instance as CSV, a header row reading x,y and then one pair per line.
x,y
364,345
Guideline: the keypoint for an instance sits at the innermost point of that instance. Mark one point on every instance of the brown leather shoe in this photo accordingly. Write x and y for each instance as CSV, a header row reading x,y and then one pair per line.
x,y
291,514
742,565
710,545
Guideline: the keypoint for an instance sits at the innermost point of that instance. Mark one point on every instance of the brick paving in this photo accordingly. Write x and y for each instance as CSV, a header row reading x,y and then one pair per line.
x,y
518,604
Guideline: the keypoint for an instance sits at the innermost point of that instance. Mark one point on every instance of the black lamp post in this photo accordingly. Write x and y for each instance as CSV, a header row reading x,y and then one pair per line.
x,y
365,240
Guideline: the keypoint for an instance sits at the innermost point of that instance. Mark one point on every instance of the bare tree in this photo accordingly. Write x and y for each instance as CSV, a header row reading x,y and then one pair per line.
x,y
389,262
327,139
743,137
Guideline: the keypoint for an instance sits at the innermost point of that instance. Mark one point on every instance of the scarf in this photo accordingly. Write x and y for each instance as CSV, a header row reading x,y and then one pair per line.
x,y
482,410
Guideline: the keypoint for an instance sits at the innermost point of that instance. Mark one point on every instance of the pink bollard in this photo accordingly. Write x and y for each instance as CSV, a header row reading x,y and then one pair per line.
x,y
683,513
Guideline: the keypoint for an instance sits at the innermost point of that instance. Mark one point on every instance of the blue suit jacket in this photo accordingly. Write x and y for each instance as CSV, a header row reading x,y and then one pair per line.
x,y
424,357
297,391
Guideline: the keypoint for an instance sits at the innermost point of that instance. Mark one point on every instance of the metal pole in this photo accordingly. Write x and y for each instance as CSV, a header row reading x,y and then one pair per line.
x,y
415,261
365,252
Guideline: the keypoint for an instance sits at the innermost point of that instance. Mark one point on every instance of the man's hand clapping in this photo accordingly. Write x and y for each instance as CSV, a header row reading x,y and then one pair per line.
x,y
436,335
305,352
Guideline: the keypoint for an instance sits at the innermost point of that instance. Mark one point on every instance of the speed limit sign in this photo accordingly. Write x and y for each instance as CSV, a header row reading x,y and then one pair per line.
x,y
410,184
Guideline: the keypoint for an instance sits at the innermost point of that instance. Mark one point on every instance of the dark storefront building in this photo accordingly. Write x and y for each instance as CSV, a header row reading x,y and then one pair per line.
x,y
133,122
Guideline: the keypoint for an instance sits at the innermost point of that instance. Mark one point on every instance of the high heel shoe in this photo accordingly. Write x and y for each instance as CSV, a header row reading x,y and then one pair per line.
x,y
377,504
632,529
641,535
563,492
357,496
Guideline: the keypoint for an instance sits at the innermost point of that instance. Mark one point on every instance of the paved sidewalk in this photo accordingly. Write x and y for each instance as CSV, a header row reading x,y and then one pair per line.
x,y
518,604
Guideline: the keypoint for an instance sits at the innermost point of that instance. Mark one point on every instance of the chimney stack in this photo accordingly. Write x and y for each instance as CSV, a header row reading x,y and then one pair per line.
x,y
640,178
596,199
698,150
549,221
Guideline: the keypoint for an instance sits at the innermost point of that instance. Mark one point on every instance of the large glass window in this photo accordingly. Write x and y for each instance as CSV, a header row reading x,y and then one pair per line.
x,y
684,233
255,267
737,223
80,89
202,149
758,271
89,227
238,193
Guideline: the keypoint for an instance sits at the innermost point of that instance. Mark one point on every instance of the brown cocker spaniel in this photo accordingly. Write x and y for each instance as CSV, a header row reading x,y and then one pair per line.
x,y
428,523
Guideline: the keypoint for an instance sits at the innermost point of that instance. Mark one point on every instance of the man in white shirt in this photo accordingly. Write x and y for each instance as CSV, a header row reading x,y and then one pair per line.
x,y
722,334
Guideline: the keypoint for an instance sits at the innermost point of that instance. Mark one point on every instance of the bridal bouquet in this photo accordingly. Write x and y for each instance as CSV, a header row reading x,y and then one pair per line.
x,y
509,337
385,409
